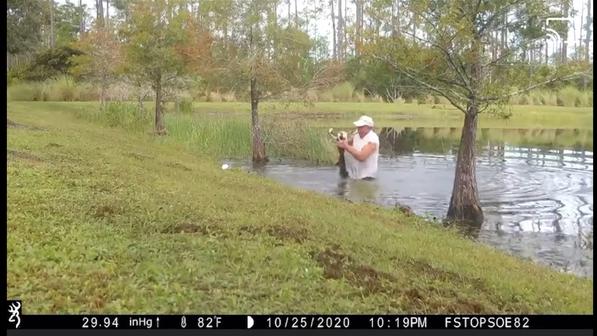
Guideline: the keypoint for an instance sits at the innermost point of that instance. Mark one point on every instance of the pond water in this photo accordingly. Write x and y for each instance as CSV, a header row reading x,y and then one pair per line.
x,y
537,198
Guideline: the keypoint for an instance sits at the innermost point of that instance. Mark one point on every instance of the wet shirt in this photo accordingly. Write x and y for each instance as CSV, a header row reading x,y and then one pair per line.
x,y
361,169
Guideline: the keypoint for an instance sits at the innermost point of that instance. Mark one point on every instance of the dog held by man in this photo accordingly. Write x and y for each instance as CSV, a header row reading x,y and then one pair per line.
x,y
360,153
341,162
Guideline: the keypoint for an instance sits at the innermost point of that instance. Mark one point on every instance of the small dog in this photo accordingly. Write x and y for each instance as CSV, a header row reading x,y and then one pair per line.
x,y
338,136
341,162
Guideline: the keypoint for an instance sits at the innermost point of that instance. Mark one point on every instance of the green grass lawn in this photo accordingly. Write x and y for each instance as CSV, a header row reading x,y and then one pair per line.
x,y
105,221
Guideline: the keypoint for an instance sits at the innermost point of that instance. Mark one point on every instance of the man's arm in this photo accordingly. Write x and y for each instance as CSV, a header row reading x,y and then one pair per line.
x,y
362,154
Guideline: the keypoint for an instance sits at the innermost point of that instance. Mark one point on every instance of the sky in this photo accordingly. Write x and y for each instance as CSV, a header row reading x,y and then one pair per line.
x,y
323,26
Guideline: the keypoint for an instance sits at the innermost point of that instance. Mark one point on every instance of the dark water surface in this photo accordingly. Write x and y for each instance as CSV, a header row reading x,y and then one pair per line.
x,y
537,198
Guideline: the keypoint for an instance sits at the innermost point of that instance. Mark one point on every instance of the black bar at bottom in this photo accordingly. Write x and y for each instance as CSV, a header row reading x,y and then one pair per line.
x,y
306,322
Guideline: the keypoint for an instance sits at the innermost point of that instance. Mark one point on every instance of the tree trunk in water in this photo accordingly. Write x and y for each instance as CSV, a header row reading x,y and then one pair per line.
x,y
464,204
258,145
160,128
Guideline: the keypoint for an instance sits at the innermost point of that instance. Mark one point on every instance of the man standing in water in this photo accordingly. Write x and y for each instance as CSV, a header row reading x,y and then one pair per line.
x,y
362,151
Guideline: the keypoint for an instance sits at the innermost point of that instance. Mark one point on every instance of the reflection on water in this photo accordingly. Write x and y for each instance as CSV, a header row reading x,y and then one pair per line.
x,y
439,140
537,201
358,190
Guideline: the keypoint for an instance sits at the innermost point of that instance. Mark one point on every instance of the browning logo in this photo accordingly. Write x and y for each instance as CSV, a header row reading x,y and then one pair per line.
x,y
14,313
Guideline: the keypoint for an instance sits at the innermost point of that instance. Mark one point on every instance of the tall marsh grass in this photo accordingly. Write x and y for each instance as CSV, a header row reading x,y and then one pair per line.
x,y
287,137
184,105
543,97
225,138
572,97
568,96
63,89
120,114
231,137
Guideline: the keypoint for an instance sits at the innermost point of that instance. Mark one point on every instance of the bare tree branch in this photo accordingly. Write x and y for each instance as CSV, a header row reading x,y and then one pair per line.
x,y
325,77
456,63
450,97
458,68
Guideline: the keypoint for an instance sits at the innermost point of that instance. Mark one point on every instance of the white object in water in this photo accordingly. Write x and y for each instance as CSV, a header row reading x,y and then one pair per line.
x,y
225,166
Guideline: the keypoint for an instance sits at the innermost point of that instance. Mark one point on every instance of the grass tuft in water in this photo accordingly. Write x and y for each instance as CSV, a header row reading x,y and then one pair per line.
x,y
294,138
224,138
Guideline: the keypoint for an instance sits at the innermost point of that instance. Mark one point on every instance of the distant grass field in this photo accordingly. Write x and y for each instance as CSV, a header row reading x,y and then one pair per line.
x,y
385,115
101,220
413,115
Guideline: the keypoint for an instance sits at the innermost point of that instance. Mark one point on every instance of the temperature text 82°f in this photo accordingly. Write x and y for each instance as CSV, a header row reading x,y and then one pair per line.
x,y
209,322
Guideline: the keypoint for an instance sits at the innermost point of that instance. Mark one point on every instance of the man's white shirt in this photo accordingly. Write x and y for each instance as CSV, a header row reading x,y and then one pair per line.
x,y
367,168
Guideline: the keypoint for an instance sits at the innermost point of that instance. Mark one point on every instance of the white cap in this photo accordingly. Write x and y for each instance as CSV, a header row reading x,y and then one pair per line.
x,y
364,121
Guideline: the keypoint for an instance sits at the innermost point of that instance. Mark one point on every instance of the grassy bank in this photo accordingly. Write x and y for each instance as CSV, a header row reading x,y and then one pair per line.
x,y
105,221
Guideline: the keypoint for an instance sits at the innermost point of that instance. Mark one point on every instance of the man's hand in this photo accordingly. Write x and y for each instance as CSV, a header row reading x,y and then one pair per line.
x,y
342,144
362,154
